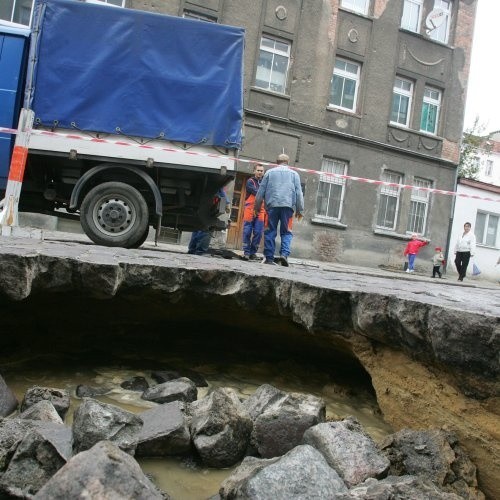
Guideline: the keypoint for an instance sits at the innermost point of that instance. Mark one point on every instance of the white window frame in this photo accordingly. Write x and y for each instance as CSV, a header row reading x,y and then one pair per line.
x,y
420,199
442,32
402,93
15,2
13,11
360,6
331,166
390,191
346,75
481,239
431,100
407,20
275,52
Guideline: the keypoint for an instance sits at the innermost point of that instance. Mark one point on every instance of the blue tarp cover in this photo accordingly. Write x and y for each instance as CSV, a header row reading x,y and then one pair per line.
x,y
105,69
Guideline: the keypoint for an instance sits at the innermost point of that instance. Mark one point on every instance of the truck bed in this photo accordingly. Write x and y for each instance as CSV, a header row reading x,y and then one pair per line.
x,y
136,74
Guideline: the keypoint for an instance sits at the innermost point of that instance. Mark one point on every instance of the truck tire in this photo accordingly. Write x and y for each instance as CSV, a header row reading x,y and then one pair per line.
x,y
114,214
142,239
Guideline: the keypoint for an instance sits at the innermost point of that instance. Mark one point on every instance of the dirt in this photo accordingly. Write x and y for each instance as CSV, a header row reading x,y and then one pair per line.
x,y
413,396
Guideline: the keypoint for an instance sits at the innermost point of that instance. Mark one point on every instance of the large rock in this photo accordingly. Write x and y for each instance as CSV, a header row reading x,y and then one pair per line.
x,y
8,400
300,474
94,421
165,432
220,428
266,396
103,472
166,375
180,389
38,456
281,425
349,450
58,397
43,410
13,430
434,455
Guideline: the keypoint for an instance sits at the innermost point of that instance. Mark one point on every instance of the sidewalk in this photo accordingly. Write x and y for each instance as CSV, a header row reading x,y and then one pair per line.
x,y
51,228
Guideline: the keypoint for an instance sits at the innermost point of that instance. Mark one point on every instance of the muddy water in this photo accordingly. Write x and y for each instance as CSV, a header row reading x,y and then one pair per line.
x,y
185,479
66,354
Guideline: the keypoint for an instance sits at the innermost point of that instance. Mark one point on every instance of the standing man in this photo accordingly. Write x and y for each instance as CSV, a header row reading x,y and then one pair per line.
x,y
200,239
253,224
282,196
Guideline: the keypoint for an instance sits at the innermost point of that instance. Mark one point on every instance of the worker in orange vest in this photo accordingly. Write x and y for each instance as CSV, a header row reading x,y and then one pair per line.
x,y
253,225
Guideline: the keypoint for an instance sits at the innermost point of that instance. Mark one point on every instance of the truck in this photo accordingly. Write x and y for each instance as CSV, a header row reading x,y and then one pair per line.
x,y
122,118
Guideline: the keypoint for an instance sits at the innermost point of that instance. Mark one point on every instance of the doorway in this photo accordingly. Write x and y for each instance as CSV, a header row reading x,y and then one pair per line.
x,y
235,231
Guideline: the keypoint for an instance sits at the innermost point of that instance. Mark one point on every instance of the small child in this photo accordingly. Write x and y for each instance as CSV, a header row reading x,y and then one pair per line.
x,y
437,260
411,250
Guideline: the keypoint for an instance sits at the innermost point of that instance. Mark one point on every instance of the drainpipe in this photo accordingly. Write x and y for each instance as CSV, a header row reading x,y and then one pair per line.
x,y
450,224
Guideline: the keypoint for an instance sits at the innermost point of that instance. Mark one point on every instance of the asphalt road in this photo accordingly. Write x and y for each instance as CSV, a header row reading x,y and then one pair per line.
x,y
472,295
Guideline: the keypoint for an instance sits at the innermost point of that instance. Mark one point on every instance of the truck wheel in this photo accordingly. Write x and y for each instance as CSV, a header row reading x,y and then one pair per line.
x,y
142,239
114,214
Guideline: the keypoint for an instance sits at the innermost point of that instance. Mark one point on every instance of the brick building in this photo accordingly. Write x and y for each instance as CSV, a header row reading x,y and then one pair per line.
x,y
373,89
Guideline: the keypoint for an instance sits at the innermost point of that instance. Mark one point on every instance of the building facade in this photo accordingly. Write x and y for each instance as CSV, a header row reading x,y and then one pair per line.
x,y
372,90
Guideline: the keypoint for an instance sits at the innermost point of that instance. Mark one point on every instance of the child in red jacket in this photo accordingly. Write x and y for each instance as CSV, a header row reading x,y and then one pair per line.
x,y
412,248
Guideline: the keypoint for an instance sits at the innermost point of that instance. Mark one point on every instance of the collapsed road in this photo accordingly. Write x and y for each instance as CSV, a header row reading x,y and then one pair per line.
x,y
430,347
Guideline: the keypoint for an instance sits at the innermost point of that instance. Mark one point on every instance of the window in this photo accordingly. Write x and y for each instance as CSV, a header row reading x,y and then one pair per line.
x,y
419,206
200,17
16,11
401,102
272,68
486,229
441,30
488,170
345,83
412,13
331,189
389,201
360,6
430,110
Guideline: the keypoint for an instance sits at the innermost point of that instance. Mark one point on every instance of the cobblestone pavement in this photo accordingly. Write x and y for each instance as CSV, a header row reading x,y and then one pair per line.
x,y
473,295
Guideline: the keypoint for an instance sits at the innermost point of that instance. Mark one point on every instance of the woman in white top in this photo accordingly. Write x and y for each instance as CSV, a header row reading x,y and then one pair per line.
x,y
465,248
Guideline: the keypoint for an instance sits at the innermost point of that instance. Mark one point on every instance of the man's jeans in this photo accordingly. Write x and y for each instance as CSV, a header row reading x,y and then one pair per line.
x,y
284,217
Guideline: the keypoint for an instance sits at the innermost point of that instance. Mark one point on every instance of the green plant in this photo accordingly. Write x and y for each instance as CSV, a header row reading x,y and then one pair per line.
x,y
473,142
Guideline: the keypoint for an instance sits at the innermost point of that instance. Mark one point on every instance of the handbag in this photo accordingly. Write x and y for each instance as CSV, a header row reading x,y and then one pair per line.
x,y
475,269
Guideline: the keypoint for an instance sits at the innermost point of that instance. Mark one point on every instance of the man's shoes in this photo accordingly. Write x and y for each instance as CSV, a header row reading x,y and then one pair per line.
x,y
407,271
283,261
270,262
253,257
245,257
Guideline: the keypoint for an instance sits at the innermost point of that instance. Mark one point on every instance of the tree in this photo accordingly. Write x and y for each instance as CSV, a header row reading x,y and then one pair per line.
x,y
472,143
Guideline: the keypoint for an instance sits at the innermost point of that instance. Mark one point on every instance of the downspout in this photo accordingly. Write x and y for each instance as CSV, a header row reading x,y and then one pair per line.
x,y
450,223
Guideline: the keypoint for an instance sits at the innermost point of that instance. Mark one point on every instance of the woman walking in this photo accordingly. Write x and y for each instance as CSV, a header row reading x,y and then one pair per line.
x,y
465,248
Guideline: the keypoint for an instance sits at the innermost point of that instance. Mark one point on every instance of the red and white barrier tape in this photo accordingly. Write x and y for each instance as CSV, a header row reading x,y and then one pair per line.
x,y
210,155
